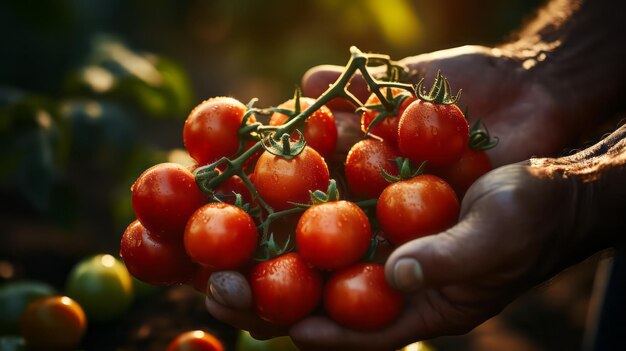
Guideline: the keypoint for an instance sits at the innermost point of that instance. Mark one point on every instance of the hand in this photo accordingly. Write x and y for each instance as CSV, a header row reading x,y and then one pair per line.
x,y
457,279
518,105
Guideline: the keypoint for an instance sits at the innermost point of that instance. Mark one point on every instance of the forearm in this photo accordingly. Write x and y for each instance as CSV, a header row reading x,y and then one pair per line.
x,y
576,49
597,177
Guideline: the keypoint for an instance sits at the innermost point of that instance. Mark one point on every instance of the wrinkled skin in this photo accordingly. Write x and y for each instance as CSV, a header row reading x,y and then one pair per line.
x,y
456,285
515,103
457,291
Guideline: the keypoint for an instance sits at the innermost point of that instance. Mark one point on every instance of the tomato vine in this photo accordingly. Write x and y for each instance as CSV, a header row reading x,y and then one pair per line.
x,y
277,138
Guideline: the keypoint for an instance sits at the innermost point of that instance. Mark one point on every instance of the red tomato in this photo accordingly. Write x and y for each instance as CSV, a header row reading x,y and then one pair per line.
x,y
464,172
196,340
201,277
333,235
285,289
320,131
359,297
234,184
280,181
363,167
53,323
212,129
153,260
388,127
435,132
417,207
164,197
220,236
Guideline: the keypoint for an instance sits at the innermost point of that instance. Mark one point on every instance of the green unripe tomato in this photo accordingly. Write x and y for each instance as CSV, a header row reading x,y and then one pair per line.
x,y
245,342
12,343
14,297
102,286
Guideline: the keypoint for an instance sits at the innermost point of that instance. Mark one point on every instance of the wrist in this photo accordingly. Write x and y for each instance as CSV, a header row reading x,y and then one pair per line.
x,y
596,191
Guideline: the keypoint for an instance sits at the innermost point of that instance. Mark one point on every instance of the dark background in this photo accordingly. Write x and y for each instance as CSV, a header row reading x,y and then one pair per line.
x,y
94,92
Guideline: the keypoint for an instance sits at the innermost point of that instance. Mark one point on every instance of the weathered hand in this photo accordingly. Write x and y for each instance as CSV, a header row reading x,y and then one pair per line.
x,y
514,103
503,245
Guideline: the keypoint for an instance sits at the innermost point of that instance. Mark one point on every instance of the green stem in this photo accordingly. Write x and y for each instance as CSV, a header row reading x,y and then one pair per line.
x,y
358,62
367,203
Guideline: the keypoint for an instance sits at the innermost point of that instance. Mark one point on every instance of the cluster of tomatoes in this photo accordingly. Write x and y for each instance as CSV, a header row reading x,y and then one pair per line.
x,y
271,219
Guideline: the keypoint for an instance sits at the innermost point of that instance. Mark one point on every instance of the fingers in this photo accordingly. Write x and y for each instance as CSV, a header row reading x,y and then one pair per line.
x,y
461,253
317,80
229,299
246,320
321,333
231,289
418,321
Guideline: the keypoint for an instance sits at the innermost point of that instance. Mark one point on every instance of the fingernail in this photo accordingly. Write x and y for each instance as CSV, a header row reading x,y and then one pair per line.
x,y
231,289
215,294
407,274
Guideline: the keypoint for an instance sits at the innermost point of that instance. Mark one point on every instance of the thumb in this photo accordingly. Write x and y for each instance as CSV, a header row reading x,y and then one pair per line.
x,y
459,254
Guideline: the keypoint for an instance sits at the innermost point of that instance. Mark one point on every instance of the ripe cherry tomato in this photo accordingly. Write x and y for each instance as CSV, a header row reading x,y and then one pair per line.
x,y
333,235
437,133
417,207
164,197
211,130
53,323
363,167
358,297
320,131
285,289
153,260
280,181
234,184
201,277
196,340
102,286
464,172
387,129
220,236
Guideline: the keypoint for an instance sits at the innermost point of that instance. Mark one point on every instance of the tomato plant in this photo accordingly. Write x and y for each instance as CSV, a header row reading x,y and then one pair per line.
x,y
333,235
364,164
195,340
152,259
285,289
220,236
320,130
164,197
211,130
433,128
359,297
53,323
280,181
416,207
102,286
387,128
